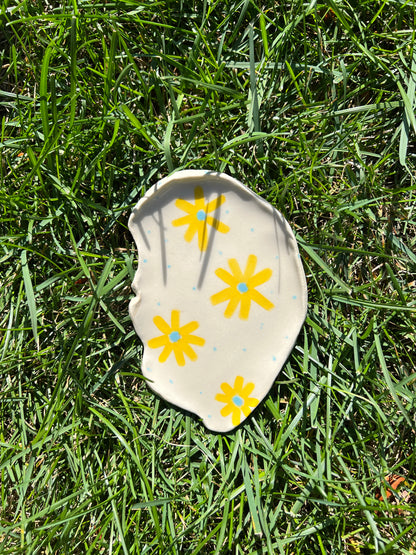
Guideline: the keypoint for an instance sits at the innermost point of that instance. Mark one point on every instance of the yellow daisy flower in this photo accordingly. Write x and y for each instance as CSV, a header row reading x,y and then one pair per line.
x,y
176,338
242,287
237,399
197,218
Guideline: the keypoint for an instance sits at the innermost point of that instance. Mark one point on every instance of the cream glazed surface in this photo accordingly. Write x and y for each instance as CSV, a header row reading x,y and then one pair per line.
x,y
220,294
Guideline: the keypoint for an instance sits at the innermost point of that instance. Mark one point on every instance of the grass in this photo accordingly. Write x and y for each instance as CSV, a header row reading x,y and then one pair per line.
x,y
312,105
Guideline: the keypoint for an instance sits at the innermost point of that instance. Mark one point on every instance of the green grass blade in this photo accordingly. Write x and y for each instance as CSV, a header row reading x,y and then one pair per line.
x,y
30,297
408,113
248,481
73,72
141,128
388,379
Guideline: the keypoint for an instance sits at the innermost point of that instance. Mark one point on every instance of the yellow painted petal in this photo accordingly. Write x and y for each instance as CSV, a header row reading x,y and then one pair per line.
x,y
222,296
194,340
227,277
232,305
215,203
245,307
236,418
248,405
250,267
246,410
184,220
161,324
228,390
165,353
248,388
252,402
188,328
177,349
228,409
188,351
260,299
199,199
217,225
157,342
185,205
260,278
235,269
222,398
238,385
202,235
175,320
192,229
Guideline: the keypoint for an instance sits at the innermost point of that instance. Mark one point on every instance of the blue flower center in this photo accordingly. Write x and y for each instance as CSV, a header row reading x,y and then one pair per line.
x,y
201,215
242,287
238,401
174,336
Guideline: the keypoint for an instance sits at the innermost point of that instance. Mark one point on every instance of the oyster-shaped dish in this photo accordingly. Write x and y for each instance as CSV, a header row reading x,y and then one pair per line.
x,y
220,294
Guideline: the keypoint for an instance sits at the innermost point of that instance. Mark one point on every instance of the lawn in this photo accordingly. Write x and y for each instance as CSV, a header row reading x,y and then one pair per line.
x,y
311,105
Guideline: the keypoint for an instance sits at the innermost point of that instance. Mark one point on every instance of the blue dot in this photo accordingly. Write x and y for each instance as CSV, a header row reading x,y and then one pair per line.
x,y
174,336
238,401
169,266
227,211
201,215
200,392
209,416
148,231
244,349
193,288
242,287
294,297
170,381
145,260
219,252
274,358
214,349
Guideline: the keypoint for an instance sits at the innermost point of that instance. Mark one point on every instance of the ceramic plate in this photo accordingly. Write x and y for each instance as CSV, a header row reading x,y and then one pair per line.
x,y
220,294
